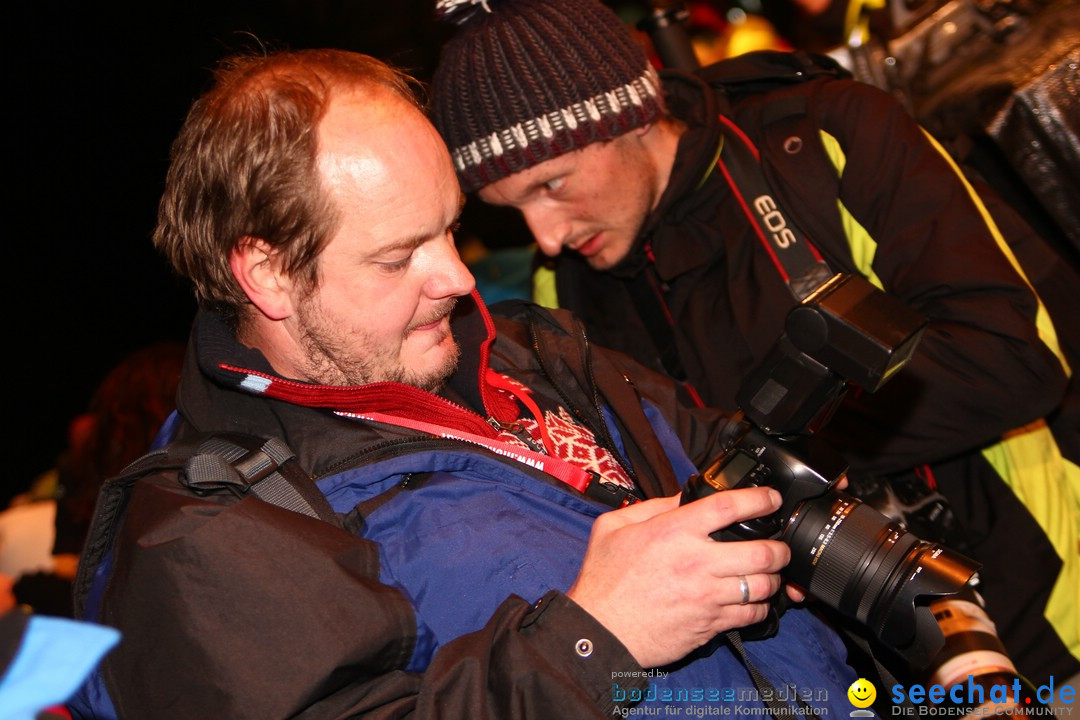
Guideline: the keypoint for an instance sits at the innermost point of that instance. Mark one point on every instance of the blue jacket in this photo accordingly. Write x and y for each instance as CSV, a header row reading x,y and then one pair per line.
x,y
533,536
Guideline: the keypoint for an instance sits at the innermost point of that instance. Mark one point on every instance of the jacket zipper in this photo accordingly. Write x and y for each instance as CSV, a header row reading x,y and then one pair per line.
x,y
601,434
597,405
385,450
605,493
518,430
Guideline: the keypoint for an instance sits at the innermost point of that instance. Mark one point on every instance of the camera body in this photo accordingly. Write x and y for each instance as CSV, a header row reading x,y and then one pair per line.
x,y
799,469
843,552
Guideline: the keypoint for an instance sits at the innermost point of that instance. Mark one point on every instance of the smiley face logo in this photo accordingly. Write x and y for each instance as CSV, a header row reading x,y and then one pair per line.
x,y
862,693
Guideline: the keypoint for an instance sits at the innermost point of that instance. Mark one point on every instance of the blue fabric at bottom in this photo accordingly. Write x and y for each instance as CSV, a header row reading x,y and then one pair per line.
x,y
55,656
478,532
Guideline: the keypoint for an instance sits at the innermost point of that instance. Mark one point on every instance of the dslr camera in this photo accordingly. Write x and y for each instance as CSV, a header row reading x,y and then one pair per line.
x,y
843,552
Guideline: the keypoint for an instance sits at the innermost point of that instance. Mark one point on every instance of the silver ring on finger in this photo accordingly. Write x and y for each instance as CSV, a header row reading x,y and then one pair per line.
x,y
744,587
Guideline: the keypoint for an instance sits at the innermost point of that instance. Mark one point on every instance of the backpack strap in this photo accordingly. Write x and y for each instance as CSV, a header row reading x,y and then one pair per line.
x,y
206,463
268,468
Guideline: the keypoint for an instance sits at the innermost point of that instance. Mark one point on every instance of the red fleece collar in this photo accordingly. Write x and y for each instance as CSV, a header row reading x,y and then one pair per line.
x,y
393,398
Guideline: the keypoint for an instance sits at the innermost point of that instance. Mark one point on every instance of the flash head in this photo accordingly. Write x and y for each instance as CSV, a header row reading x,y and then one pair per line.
x,y
856,330
845,332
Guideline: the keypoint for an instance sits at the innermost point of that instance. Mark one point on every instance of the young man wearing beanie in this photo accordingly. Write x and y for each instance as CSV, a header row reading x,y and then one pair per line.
x,y
622,173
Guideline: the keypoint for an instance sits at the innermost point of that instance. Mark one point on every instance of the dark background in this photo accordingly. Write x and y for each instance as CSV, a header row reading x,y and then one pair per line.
x,y
93,95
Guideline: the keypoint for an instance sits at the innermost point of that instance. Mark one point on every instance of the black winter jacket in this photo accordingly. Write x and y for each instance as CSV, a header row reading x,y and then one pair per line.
x,y
981,368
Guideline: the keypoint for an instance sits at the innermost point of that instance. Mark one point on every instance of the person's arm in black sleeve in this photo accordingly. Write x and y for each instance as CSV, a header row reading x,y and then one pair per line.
x,y
982,367
561,663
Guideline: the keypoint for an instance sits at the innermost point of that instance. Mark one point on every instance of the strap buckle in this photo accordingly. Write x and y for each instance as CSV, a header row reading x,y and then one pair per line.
x,y
609,493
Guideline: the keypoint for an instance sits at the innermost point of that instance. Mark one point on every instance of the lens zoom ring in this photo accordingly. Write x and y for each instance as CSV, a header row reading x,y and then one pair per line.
x,y
888,569
844,546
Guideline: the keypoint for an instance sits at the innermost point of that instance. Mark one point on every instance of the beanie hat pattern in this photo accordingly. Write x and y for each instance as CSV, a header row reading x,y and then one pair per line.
x,y
524,81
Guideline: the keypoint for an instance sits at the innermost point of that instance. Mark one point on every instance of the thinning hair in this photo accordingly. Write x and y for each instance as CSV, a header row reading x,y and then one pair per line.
x,y
244,166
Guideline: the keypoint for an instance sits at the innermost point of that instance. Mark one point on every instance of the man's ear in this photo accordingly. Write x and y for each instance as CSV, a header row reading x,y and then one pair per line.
x,y
256,267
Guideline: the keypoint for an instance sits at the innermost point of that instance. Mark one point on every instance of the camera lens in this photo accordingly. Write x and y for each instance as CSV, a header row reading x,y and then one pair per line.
x,y
842,551
974,655
865,565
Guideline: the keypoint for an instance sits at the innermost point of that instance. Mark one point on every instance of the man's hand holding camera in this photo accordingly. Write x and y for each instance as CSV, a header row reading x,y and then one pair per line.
x,y
658,582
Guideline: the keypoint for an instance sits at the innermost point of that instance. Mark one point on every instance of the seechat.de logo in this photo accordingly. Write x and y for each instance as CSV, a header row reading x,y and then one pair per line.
x,y
976,699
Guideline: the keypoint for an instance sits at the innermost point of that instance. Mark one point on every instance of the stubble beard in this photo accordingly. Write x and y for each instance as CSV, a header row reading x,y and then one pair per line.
x,y
330,361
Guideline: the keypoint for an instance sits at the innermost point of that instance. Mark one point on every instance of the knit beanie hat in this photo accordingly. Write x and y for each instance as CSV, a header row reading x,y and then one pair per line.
x,y
524,81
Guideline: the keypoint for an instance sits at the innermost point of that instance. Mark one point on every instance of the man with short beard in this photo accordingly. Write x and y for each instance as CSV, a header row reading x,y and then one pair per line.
x,y
499,555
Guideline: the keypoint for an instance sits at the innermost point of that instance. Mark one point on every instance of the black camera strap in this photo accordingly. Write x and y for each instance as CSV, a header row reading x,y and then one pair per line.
x,y
795,257
768,694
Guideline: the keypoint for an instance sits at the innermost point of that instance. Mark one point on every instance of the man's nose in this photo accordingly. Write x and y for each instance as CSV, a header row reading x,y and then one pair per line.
x,y
452,278
549,231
